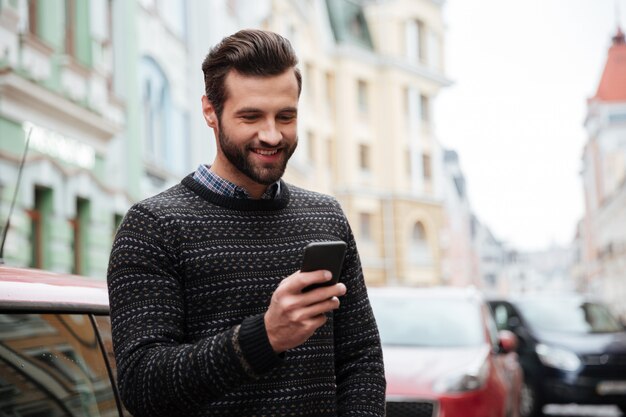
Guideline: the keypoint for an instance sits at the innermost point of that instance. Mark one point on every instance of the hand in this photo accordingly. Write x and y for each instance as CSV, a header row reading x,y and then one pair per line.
x,y
293,316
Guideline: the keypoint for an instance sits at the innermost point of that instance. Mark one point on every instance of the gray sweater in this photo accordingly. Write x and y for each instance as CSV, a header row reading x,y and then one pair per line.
x,y
190,277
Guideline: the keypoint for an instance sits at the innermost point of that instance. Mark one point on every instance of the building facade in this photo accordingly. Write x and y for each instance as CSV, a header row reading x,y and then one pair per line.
x,y
111,90
56,73
602,231
460,259
109,93
371,72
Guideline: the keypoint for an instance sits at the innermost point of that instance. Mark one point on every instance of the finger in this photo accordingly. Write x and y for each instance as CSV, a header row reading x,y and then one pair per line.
x,y
299,280
323,293
317,309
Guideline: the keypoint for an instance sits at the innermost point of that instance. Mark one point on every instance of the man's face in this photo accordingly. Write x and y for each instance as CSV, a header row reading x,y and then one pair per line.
x,y
257,132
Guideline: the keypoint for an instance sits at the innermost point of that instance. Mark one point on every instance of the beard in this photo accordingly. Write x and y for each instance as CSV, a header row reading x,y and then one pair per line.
x,y
238,156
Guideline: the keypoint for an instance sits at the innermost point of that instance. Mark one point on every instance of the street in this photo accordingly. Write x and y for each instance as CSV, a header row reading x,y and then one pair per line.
x,y
582,411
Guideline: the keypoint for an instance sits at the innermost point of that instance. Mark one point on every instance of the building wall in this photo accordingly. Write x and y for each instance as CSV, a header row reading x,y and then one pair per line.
x,y
393,193
365,119
362,136
459,257
85,99
602,229
54,89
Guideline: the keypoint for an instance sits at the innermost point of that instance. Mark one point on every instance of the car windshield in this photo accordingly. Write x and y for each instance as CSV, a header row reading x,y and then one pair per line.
x,y
569,316
428,322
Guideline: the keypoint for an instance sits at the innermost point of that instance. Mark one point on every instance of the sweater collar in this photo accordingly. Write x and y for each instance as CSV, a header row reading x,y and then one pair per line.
x,y
222,186
277,203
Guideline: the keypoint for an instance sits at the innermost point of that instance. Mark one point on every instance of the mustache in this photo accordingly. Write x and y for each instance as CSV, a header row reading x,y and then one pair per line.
x,y
259,144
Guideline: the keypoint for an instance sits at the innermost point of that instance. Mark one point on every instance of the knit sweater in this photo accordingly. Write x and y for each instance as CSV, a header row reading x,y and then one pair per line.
x,y
190,277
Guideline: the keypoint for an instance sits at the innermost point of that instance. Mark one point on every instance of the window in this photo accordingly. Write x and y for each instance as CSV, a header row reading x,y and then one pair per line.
x,y
419,251
434,47
117,221
501,316
80,245
364,157
33,18
425,108
103,324
407,162
421,53
330,93
415,108
77,31
414,41
406,104
155,110
365,226
70,35
617,118
427,166
52,365
358,26
330,153
39,224
362,91
309,79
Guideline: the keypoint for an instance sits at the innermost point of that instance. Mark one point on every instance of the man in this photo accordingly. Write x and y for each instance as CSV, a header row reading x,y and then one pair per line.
x,y
207,308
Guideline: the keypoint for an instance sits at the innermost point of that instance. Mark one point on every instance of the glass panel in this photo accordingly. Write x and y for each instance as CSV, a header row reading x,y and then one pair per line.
x,y
103,323
51,365
104,328
427,322
569,316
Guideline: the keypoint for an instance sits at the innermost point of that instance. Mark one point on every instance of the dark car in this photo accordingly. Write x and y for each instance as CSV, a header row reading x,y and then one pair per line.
x,y
55,346
443,355
572,350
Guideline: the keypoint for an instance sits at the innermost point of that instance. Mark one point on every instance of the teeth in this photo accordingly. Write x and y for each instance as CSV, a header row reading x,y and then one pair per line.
x,y
266,152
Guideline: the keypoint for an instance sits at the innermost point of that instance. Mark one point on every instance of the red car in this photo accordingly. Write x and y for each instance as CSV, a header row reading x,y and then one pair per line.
x,y
443,355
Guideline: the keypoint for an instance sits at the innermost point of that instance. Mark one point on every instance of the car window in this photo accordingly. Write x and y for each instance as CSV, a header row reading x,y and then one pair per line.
x,y
491,328
570,316
428,322
103,323
51,365
501,316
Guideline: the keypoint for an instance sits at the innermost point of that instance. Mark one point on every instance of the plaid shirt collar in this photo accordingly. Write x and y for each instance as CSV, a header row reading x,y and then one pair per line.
x,y
223,187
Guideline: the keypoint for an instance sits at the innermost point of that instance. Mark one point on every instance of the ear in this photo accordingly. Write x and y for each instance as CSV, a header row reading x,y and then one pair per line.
x,y
209,112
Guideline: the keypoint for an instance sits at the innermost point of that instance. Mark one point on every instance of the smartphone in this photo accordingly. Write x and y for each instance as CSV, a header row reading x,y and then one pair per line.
x,y
324,255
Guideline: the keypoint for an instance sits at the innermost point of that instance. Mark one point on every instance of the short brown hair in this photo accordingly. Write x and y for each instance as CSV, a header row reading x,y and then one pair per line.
x,y
249,52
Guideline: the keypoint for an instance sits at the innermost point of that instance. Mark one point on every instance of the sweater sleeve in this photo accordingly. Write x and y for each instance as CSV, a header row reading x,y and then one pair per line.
x,y
159,373
359,362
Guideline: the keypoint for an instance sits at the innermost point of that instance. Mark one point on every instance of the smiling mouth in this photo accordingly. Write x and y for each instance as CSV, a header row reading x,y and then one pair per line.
x,y
265,152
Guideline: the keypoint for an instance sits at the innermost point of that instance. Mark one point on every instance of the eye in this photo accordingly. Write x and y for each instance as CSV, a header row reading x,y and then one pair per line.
x,y
287,117
249,117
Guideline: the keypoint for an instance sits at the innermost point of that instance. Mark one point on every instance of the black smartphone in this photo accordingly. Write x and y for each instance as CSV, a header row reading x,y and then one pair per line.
x,y
324,255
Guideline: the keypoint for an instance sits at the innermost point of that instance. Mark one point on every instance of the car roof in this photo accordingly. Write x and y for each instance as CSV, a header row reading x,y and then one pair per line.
x,y
37,290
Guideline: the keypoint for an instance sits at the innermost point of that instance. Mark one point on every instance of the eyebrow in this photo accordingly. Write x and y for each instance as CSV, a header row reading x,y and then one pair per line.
x,y
243,110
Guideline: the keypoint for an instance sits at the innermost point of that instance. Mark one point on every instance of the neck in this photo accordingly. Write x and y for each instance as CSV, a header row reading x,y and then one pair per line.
x,y
254,189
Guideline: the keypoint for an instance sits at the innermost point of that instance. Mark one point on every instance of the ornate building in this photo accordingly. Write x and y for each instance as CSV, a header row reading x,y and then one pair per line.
x,y
111,90
602,232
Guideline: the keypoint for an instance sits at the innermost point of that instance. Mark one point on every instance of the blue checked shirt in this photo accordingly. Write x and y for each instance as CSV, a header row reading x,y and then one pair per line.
x,y
219,185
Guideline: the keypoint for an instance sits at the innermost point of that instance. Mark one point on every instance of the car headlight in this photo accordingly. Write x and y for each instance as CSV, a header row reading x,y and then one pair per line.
x,y
557,357
469,379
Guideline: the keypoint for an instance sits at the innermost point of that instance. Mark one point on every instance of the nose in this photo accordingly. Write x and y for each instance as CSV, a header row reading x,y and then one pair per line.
x,y
270,134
